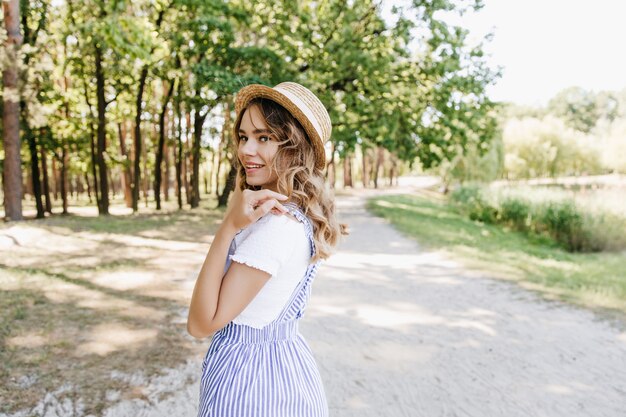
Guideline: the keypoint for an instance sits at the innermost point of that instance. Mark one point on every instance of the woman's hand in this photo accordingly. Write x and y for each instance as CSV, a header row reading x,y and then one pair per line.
x,y
247,206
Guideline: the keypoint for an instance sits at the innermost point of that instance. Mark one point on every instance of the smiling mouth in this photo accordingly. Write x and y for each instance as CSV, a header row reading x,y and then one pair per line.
x,y
254,166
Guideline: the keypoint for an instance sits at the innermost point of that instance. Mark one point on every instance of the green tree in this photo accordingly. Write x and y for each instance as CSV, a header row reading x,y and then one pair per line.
x,y
12,170
581,109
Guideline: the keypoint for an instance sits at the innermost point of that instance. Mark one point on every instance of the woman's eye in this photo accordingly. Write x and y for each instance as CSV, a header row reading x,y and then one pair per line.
x,y
242,138
264,138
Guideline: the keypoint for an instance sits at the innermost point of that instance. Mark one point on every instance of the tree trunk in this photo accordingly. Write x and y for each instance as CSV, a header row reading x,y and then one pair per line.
x,y
145,179
179,142
380,159
103,207
35,175
365,174
126,175
30,37
228,186
224,142
12,167
64,162
187,159
112,183
92,142
347,171
198,122
185,168
165,185
393,171
46,182
138,151
160,146
71,187
28,185
88,187
55,175
165,181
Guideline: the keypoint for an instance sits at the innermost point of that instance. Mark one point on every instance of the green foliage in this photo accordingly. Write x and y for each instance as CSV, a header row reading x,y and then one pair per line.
x,y
473,164
411,83
582,109
547,148
516,213
473,202
579,132
565,222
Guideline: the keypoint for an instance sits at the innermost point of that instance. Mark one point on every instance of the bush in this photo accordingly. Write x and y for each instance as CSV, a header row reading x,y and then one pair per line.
x,y
604,232
515,213
563,221
471,200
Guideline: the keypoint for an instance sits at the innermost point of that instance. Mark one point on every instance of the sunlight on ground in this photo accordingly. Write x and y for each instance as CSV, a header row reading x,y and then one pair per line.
x,y
398,356
405,261
397,316
30,237
427,211
559,389
570,389
29,341
403,315
124,279
63,292
107,338
137,241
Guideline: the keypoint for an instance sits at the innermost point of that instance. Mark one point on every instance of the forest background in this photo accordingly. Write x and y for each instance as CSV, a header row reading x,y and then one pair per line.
x,y
135,99
116,127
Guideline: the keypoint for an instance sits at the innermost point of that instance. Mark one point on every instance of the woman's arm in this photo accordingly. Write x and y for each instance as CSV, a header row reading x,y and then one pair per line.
x,y
218,298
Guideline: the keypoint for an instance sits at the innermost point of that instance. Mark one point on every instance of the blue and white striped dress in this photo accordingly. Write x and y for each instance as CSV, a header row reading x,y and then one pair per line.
x,y
266,372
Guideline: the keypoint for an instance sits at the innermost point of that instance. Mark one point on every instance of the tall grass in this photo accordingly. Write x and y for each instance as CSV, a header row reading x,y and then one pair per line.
x,y
577,227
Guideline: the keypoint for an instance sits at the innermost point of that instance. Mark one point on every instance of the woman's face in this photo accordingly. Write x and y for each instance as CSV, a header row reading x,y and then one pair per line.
x,y
256,149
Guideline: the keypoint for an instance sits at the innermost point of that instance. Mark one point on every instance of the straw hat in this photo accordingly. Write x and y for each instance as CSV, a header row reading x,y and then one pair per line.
x,y
301,103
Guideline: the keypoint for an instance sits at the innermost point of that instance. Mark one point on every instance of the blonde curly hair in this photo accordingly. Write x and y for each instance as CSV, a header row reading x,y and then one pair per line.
x,y
298,177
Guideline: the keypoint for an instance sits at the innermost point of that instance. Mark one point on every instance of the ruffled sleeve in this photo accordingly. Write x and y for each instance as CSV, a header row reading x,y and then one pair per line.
x,y
270,243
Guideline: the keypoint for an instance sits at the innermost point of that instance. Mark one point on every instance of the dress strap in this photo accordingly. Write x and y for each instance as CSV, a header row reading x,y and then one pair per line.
x,y
297,212
297,302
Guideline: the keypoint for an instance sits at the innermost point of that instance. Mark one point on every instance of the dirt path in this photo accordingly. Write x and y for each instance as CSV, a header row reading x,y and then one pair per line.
x,y
398,331
403,332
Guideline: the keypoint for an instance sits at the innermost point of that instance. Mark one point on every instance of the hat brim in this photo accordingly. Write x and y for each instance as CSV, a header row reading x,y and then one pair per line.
x,y
250,92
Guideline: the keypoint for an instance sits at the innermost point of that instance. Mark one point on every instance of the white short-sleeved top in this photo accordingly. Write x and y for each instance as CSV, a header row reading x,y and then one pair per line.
x,y
278,245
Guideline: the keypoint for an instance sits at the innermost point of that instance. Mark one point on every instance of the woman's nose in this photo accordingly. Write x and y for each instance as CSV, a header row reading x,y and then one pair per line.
x,y
249,147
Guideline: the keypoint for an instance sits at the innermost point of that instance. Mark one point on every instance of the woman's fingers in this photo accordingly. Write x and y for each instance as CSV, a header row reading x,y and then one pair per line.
x,y
249,206
260,197
266,206
265,194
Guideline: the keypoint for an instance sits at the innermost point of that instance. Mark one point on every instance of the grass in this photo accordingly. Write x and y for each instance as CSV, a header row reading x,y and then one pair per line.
x,y
82,296
593,280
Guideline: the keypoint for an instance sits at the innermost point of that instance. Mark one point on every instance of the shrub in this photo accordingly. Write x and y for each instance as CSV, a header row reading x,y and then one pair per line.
x,y
575,228
465,194
563,222
515,212
471,200
604,232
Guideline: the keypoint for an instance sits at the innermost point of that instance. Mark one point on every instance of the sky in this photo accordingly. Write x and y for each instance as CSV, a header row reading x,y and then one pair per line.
x,y
544,46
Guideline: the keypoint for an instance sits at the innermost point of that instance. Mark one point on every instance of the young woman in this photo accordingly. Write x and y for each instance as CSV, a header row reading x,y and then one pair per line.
x,y
256,280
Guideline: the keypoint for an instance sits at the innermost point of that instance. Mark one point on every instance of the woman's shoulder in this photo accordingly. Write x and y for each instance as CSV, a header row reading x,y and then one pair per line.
x,y
272,233
278,222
